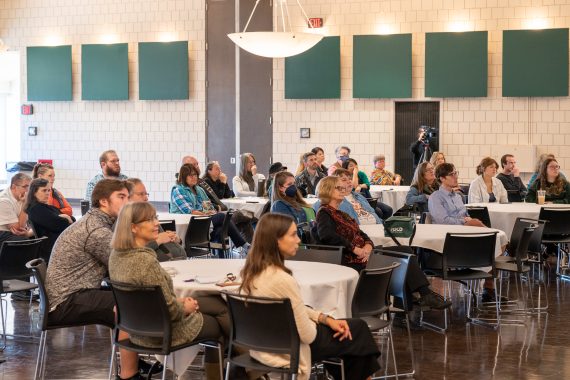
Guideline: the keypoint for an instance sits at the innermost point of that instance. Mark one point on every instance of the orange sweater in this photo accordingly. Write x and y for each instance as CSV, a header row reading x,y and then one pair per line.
x,y
63,206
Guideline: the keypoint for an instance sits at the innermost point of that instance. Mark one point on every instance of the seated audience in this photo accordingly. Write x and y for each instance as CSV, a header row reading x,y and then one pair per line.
x,y
510,177
335,227
13,219
110,168
167,244
132,262
354,204
56,198
437,158
308,179
551,180
265,275
217,180
80,261
360,181
342,154
275,168
47,220
216,202
423,185
320,159
381,176
245,184
187,197
486,188
446,206
288,200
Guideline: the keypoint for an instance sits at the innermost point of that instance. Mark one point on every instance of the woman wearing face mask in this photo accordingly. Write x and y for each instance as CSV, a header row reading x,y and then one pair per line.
x,y
288,200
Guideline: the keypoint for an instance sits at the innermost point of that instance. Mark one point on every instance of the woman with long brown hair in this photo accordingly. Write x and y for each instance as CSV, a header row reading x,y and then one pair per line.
x,y
56,198
265,275
486,188
245,184
286,199
423,184
549,179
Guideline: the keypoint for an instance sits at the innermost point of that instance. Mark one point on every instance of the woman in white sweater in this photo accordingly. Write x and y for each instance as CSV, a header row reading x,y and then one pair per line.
x,y
245,184
322,336
486,188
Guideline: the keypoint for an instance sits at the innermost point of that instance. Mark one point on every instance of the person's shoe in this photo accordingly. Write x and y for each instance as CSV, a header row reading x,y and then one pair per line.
x,y
136,376
146,367
401,322
434,301
489,295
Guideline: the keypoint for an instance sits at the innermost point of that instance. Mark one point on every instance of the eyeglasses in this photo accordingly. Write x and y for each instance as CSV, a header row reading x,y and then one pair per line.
x,y
142,194
455,174
430,170
154,218
342,189
193,175
557,167
23,186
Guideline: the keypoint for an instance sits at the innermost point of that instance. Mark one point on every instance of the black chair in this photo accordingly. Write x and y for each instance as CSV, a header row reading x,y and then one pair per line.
x,y
425,218
142,311
481,213
403,301
557,231
224,246
373,202
371,301
39,270
266,325
318,253
197,239
266,208
168,225
14,275
464,254
519,267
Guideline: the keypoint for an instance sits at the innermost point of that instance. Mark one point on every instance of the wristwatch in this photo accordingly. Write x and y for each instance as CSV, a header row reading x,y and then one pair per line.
x,y
323,318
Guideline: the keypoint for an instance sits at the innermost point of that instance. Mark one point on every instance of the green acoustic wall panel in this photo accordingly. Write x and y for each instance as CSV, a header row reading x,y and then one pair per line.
x,y
105,72
314,74
382,66
49,73
163,70
456,64
535,62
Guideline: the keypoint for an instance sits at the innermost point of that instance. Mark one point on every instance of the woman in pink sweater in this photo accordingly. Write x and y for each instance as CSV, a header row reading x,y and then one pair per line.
x,y
265,275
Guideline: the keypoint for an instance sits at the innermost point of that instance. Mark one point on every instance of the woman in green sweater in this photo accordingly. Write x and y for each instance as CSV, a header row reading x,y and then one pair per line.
x,y
131,262
549,179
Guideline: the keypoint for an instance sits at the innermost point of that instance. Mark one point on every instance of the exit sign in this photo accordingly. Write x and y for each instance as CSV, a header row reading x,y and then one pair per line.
x,y
315,22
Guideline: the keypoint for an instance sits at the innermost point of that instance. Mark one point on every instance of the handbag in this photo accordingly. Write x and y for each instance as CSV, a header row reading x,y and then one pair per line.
x,y
400,226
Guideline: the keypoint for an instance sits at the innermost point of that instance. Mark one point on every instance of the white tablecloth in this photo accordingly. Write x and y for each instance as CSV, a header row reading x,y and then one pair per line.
x,y
253,204
325,287
393,196
504,215
430,236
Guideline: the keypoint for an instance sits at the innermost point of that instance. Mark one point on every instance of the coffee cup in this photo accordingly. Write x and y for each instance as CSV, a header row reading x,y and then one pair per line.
x,y
541,196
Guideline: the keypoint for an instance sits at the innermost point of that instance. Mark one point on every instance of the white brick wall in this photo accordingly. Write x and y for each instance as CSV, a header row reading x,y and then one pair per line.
x,y
152,136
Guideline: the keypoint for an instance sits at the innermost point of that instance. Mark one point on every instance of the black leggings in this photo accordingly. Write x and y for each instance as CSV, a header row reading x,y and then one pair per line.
x,y
360,355
233,232
216,324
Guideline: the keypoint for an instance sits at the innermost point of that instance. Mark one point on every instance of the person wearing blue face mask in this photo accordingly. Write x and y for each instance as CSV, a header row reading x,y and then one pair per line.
x,y
287,199
342,155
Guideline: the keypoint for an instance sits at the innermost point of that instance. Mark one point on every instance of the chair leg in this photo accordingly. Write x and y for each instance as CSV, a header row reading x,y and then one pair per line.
x,y
113,360
43,358
164,370
2,301
228,367
39,361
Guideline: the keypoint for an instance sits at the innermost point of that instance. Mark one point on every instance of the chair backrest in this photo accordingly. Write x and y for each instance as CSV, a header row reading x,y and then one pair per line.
x,y
384,258
469,250
225,229
556,221
481,213
266,208
371,293
520,225
264,324
198,234
38,268
14,254
318,253
425,218
521,253
142,311
168,225
373,202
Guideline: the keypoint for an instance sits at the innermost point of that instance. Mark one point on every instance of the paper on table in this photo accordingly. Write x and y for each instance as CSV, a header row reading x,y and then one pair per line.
x,y
207,279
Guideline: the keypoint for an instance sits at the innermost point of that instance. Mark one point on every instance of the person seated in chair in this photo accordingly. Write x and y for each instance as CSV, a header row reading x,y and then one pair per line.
x,y
423,185
486,188
309,178
287,200
13,219
510,177
381,176
245,184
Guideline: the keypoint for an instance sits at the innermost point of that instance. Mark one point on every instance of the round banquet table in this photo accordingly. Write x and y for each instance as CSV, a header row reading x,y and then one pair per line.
x,y
504,215
326,287
393,196
253,204
430,236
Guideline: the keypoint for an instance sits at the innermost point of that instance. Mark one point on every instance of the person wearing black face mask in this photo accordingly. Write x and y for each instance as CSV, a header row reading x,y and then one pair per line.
x,y
287,199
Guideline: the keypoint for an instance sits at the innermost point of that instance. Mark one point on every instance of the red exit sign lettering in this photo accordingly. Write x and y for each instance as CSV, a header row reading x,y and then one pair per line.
x,y
315,22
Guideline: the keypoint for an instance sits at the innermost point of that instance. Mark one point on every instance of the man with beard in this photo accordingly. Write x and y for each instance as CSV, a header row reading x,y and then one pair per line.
x,y
111,169
309,178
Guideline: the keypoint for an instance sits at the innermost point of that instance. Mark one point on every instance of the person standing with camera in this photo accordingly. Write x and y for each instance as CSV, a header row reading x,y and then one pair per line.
x,y
424,146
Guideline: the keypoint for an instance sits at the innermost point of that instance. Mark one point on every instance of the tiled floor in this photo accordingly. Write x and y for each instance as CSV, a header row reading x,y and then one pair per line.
x,y
536,349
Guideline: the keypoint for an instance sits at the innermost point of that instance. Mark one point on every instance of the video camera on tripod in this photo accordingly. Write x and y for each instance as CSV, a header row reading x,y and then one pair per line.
x,y
428,134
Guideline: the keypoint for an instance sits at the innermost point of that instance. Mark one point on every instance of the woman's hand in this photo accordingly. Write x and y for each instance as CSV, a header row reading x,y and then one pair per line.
x,y
223,178
166,237
190,305
340,326
254,170
397,180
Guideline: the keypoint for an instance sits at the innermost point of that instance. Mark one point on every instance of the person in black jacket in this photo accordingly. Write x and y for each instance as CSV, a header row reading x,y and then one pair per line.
x,y
422,147
217,180
47,220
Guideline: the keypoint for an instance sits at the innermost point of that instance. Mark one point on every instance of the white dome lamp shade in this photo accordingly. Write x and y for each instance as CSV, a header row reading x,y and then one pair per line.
x,y
276,44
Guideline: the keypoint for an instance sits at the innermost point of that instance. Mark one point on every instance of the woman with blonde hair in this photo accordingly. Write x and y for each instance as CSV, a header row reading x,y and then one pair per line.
x,y
437,158
321,336
486,188
245,184
132,262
